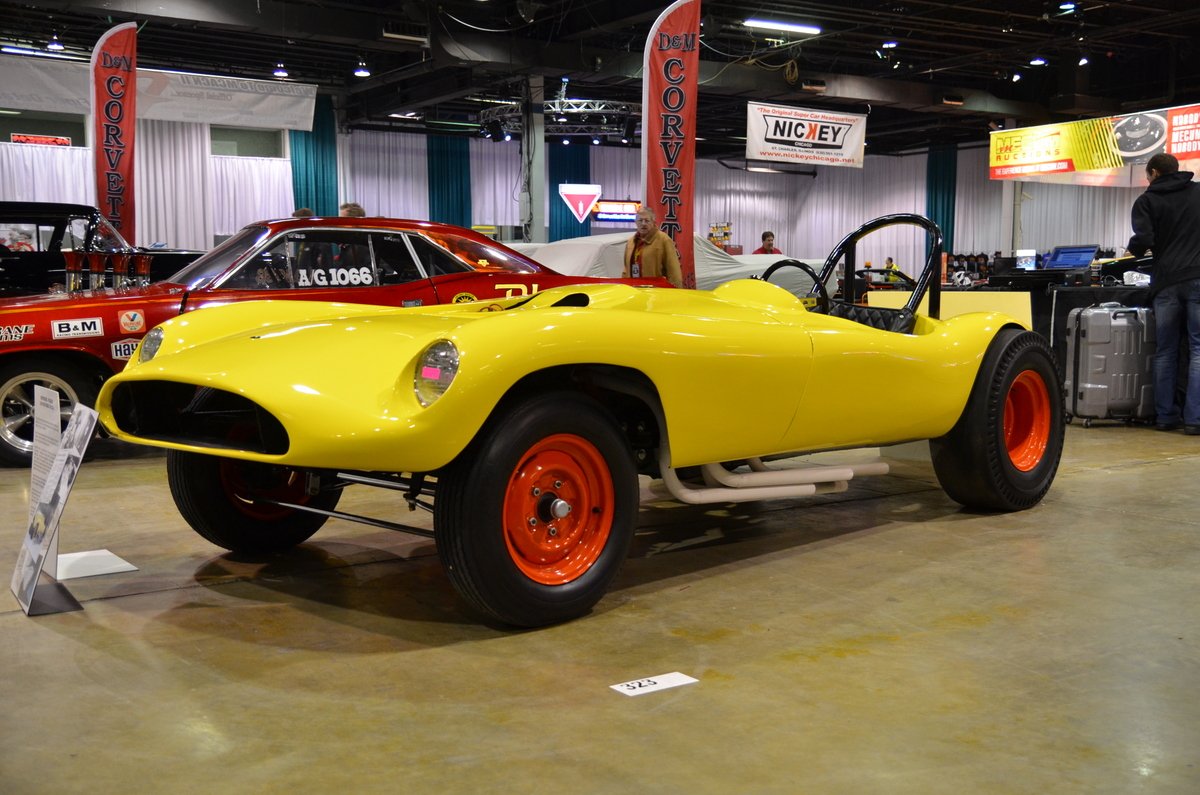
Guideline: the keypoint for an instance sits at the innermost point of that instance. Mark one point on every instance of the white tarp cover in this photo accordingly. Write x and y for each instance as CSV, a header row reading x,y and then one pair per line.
x,y
601,256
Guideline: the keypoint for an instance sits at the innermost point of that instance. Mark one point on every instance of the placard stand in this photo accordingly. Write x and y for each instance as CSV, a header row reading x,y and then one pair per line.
x,y
35,580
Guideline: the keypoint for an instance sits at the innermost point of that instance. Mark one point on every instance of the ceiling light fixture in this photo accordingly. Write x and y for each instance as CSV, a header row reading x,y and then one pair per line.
x,y
1083,60
1068,7
362,70
54,44
280,71
595,140
787,27
890,45
1016,78
1037,61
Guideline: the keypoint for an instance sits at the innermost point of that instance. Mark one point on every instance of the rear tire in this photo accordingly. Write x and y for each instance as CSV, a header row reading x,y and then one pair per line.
x,y
534,520
17,381
1003,452
217,497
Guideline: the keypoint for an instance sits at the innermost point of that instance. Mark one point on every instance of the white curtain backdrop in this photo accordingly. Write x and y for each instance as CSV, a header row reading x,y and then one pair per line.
x,y
249,189
387,174
171,179
495,182
978,206
35,173
842,199
1057,215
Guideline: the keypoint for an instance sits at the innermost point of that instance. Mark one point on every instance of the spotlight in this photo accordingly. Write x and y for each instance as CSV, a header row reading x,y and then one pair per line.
x,y
54,44
495,130
890,45
508,136
595,140
362,70
566,141
1083,60
561,118
1016,78
280,71
1037,60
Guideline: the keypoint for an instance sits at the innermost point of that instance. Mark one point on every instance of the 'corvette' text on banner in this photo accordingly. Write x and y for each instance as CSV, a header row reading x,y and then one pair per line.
x,y
669,72
114,110
804,135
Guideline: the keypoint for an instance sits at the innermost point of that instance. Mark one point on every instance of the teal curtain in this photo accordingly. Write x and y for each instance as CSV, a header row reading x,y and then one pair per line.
x,y
941,173
448,159
314,161
570,164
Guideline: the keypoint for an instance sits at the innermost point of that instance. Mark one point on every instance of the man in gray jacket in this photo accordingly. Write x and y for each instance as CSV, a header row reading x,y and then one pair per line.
x,y
1166,221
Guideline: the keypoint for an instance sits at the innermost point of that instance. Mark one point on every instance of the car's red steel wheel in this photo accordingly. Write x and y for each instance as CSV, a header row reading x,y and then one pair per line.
x,y
558,509
1027,420
248,486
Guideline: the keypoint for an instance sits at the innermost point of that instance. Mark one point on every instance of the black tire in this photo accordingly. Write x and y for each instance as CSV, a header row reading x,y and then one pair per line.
x,y
17,380
1004,450
547,452
216,496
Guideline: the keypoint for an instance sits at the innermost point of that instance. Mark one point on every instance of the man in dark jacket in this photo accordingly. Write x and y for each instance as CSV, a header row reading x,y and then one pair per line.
x,y
1166,220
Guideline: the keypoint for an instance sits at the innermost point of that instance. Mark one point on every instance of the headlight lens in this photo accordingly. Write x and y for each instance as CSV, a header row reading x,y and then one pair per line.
x,y
150,344
435,371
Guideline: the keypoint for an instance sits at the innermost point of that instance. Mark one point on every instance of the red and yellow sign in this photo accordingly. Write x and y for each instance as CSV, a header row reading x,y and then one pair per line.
x,y
1095,144
114,110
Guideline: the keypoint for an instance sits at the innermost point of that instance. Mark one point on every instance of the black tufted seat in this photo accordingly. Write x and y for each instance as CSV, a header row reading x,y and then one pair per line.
x,y
900,321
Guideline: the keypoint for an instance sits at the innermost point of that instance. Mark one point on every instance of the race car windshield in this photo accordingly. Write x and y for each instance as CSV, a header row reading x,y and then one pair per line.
x,y
202,272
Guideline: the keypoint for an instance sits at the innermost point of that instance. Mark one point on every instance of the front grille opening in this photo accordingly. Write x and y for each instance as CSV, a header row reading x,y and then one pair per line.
x,y
200,416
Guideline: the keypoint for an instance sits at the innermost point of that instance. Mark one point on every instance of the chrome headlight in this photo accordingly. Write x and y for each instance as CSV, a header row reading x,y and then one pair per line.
x,y
150,344
435,370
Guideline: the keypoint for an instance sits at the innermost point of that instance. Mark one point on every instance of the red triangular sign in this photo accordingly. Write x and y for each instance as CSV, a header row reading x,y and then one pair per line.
x,y
580,198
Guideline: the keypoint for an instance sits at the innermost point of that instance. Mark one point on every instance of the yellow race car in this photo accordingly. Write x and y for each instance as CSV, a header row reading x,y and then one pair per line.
x,y
523,424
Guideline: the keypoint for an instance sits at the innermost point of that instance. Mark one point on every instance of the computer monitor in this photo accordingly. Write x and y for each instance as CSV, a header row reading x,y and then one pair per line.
x,y
1026,259
1071,256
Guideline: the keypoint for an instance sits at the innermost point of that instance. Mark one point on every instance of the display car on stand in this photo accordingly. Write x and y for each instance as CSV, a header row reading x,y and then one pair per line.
x,y
72,341
44,245
523,423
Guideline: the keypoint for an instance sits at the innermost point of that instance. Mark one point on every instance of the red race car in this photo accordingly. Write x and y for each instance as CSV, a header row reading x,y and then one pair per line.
x,y
72,342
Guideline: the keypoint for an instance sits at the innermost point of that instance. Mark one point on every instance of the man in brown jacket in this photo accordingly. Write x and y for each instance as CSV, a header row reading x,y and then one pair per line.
x,y
651,252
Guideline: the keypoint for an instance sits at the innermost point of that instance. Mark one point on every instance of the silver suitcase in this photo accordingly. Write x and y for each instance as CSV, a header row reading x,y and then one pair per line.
x,y
1110,352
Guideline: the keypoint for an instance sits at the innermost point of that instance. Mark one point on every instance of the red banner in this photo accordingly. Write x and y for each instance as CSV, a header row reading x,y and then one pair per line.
x,y
669,73
114,109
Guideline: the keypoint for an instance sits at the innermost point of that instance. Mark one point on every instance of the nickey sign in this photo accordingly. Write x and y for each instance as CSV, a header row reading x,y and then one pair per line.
x,y
803,135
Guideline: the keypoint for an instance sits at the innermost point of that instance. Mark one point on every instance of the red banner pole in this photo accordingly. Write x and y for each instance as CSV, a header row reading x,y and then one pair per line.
x,y
669,94
114,111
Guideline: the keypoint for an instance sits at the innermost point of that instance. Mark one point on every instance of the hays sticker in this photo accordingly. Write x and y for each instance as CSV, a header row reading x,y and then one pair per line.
x,y
132,321
78,327
123,349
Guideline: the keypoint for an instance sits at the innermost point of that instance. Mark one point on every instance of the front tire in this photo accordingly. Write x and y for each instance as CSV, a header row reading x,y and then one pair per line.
x,y
17,381
1003,453
221,498
534,520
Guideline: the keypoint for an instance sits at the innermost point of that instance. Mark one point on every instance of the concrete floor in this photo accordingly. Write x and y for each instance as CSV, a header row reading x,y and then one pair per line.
x,y
879,641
